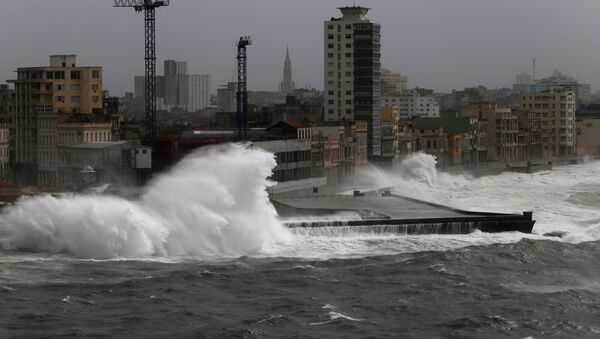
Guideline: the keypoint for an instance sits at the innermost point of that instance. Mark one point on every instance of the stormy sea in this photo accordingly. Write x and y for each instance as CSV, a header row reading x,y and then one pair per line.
x,y
202,254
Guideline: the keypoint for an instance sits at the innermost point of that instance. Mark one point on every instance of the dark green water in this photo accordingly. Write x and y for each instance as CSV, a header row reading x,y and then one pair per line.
x,y
538,289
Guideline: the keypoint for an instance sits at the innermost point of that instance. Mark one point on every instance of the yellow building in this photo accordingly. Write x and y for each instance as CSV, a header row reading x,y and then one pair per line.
x,y
555,113
61,88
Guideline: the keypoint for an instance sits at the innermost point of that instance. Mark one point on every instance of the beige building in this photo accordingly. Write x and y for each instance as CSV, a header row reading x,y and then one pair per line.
x,y
62,88
352,72
555,112
502,129
392,84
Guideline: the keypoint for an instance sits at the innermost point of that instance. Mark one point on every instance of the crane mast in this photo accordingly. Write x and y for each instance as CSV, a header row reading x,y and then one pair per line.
x,y
149,8
242,91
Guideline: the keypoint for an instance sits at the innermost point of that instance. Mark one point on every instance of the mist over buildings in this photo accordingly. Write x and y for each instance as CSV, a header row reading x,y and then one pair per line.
x,y
439,44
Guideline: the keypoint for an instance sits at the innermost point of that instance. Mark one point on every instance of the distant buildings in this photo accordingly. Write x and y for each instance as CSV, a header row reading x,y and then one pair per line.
x,y
352,72
413,103
226,97
177,89
392,83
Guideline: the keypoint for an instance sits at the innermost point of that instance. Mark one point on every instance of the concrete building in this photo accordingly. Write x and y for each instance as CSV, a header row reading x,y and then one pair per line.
x,y
287,85
352,72
556,113
588,143
502,129
226,98
5,172
293,158
177,89
62,87
413,103
7,115
198,92
559,82
392,84
115,163
389,128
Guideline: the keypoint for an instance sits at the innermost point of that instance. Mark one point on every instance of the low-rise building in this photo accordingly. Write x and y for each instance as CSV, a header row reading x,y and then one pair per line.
x,y
588,143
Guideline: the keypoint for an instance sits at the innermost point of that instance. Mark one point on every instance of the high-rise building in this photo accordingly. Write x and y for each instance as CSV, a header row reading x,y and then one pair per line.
x,y
198,92
287,85
61,87
555,112
352,72
176,90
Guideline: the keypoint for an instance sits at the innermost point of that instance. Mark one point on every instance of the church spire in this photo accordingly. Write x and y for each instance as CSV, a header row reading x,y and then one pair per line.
x,y
287,86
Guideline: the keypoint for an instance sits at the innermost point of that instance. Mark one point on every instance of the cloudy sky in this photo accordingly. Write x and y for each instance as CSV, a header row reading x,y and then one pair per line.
x,y
440,44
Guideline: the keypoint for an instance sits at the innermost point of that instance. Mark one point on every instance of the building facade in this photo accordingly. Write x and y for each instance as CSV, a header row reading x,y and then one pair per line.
x,y
352,72
62,87
392,84
413,103
555,112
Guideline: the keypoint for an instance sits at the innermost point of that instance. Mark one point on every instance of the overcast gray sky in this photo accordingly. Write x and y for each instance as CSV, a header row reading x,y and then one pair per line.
x,y
440,44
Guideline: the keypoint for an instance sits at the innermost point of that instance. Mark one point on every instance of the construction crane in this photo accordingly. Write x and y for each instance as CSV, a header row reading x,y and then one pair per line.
x,y
149,8
242,91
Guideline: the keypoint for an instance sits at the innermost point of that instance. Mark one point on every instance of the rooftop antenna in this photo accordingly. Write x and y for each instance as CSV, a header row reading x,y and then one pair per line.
x,y
149,8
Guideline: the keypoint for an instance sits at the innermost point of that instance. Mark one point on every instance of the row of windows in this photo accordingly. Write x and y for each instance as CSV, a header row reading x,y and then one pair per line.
x,y
76,99
331,26
51,75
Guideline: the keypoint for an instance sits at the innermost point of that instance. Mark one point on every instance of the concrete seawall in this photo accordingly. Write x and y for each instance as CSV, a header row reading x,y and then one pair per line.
x,y
386,212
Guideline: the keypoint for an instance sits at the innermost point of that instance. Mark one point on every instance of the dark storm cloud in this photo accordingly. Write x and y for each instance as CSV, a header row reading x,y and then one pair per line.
x,y
441,44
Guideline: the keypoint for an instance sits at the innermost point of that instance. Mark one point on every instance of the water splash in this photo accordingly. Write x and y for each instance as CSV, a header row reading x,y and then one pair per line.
x,y
213,203
561,199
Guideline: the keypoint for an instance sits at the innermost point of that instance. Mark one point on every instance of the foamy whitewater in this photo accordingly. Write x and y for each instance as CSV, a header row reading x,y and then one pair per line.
x,y
214,204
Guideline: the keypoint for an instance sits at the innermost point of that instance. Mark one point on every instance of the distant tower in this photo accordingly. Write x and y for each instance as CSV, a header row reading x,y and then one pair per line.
x,y
287,86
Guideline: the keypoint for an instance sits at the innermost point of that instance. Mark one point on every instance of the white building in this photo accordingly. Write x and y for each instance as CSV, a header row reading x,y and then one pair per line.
x,y
412,103
352,72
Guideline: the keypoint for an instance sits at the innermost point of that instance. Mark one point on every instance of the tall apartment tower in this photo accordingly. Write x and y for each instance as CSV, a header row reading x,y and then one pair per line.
x,y
176,85
61,87
287,85
352,72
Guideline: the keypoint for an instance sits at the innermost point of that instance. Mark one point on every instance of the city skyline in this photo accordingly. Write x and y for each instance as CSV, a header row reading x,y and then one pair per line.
x,y
442,49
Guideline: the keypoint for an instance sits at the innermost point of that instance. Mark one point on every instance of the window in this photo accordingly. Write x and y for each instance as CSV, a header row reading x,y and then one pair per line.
x,y
59,75
348,36
95,87
330,102
95,98
348,55
76,99
330,55
348,26
60,98
75,75
330,36
330,26
329,45
348,45
75,87
49,75
96,74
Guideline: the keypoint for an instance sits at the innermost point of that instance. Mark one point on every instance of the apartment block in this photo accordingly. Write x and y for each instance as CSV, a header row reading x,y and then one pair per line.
x,y
413,103
555,112
62,88
352,72
502,129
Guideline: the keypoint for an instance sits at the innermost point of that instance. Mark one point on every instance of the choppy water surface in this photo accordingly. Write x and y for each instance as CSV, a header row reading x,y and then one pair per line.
x,y
184,261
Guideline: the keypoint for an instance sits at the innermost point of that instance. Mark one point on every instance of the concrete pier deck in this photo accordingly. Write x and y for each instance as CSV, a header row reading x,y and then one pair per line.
x,y
410,216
